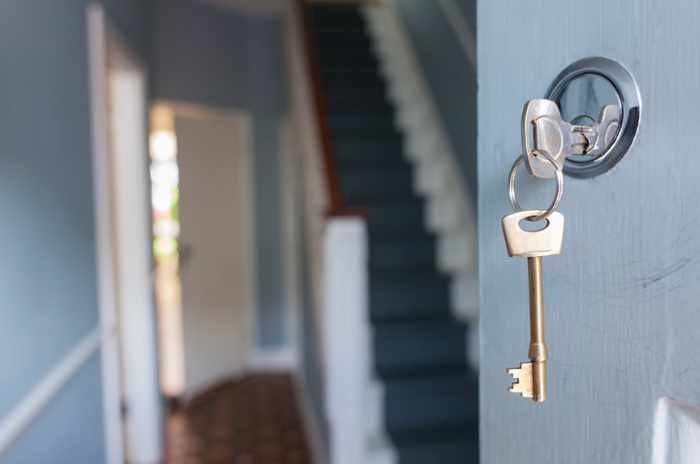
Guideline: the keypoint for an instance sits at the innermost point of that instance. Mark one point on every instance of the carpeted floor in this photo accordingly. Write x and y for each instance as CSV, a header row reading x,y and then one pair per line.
x,y
253,420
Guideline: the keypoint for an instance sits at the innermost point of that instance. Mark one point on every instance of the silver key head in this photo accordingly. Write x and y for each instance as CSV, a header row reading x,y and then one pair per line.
x,y
544,242
543,130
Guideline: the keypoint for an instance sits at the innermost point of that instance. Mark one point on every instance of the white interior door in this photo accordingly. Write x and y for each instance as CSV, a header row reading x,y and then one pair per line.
x,y
216,257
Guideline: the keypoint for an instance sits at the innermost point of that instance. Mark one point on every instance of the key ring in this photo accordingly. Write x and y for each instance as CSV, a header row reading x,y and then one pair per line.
x,y
560,185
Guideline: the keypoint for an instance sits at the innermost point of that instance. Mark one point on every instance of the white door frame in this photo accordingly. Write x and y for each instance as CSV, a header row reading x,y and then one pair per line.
x,y
123,239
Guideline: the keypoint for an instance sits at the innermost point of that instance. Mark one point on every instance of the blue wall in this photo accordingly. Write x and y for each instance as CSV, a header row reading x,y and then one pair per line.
x,y
270,296
200,54
69,430
216,56
452,79
48,265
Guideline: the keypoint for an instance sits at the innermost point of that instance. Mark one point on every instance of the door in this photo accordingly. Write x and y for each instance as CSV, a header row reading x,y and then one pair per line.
x,y
622,302
132,403
215,218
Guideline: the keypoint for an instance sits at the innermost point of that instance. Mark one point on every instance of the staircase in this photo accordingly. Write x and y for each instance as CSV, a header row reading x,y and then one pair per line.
x,y
431,396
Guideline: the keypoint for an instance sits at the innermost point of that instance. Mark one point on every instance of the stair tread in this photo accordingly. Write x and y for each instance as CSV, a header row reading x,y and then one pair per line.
x,y
451,381
406,328
419,313
431,436
344,131
409,349
441,446
426,278
414,403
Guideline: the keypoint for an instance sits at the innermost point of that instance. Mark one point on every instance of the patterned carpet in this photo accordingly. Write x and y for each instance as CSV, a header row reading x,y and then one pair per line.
x,y
253,420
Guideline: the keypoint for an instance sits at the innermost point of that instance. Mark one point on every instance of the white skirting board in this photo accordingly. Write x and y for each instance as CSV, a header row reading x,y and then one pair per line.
x,y
450,210
314,434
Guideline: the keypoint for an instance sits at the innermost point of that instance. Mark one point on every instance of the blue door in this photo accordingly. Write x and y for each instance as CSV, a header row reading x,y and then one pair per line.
x,y
622,302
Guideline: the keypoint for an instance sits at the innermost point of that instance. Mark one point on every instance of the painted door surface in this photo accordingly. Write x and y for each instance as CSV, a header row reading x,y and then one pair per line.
x,y
622,303
216,273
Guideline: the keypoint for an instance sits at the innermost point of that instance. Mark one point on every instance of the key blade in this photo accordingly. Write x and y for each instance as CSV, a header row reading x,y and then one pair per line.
x,y
522,380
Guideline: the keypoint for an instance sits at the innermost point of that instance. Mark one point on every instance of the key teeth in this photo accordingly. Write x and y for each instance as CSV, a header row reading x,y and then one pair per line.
x,y
522,380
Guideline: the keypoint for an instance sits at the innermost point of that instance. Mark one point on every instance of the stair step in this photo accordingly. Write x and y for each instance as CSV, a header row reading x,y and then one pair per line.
x,y
361,101
369,153
350,26
349,95
430,403
352,70
460,447
329,15
331,21
395,218
333,38
404,296
365,186
362,105
339,23
403,349
361,134
329,58
341,79
397,254
352,126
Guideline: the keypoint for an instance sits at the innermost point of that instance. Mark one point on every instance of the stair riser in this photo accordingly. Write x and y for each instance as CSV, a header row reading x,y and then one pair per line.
x,y
360,160
436,404
359,189
376,106
359,122
325,21
353,95
407,301
464,451
393,314
341,80
387,254
385,146
412,350
331,59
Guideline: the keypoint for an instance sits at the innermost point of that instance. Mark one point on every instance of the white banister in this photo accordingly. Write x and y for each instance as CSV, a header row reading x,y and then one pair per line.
x,y
336,250
346,341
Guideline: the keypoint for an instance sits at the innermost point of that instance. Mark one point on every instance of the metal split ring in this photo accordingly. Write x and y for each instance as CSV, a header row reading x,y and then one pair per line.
x,y
560,185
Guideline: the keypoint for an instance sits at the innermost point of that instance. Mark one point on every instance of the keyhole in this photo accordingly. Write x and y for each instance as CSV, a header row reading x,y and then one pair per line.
x,y
581,91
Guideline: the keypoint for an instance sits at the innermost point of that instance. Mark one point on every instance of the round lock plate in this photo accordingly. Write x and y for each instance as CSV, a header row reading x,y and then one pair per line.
x,y
581,91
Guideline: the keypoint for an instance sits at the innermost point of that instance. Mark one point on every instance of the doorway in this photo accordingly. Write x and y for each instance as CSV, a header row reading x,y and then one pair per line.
x,y
202,198
132,409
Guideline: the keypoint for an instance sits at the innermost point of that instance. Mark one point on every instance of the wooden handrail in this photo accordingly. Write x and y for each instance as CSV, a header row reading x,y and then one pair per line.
x,y
337,206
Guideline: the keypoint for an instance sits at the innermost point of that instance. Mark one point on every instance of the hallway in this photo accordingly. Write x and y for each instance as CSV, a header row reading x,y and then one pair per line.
x,y
253,420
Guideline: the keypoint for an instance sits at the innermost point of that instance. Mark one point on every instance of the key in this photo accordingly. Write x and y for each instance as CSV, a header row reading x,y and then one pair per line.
x,y
530,379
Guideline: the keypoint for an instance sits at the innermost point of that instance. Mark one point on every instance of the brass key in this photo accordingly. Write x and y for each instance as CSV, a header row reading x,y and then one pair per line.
x,y
530,379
